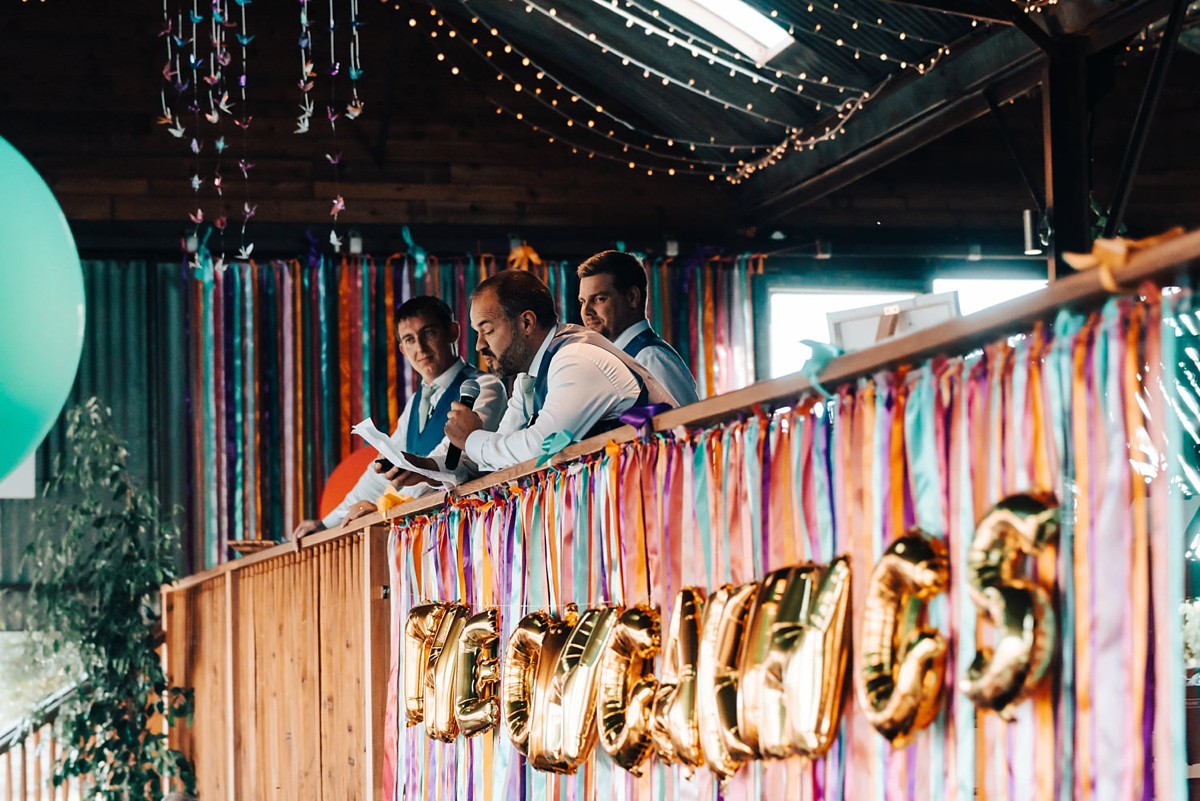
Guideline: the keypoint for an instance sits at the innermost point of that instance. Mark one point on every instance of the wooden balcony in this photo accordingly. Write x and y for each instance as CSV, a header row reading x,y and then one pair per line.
x,y
288,650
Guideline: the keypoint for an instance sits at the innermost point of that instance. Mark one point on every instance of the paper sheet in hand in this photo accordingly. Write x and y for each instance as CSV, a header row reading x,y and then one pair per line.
x,y
383,443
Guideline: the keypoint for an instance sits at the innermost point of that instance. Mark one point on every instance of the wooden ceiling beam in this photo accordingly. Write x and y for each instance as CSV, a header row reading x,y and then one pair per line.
x,y
909,115
897,122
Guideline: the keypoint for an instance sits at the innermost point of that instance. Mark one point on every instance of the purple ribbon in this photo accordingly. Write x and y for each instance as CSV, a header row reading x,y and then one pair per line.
x,y
642,417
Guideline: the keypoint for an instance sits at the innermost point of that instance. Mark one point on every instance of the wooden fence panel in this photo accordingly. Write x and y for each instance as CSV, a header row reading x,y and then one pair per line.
x,y
343,735
196,647
289,660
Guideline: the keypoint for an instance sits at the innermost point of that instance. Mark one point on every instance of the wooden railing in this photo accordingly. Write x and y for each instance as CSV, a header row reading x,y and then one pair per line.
x,y
288,649
288,653
28,754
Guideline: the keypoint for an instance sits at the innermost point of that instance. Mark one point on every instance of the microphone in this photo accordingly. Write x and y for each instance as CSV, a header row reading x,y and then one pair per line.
x,y
467,397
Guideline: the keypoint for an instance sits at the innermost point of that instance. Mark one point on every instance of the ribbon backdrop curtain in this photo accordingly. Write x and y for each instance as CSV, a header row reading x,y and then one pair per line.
x,y
283,357
1102,410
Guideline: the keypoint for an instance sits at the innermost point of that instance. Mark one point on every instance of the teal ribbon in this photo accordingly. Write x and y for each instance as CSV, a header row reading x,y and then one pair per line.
x,y
920,439
418,253
700,500
1058,371
204,272
824,435
554,445
249,399
822,354
756,491
1173,307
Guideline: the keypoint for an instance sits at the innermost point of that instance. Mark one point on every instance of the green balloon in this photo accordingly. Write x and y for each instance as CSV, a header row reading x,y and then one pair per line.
x,y
41,309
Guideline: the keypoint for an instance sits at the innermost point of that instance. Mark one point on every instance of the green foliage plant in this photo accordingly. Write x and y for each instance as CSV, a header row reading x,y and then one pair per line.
x,y
103,551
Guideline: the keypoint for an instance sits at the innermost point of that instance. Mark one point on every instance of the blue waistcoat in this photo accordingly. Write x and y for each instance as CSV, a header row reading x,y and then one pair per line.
x,y
422,441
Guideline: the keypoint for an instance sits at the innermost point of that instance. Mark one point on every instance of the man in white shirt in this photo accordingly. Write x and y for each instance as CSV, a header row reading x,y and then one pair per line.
x,y
612,302
568,380
427,333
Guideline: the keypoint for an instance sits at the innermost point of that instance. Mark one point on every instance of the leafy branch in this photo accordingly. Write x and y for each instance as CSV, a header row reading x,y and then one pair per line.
x,y
103,551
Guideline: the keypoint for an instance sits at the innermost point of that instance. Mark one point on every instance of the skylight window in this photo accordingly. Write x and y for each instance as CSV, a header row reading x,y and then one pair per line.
x,y
739,24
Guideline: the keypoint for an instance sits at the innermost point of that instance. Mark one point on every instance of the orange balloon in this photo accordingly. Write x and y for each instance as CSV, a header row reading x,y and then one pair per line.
x,y
344,477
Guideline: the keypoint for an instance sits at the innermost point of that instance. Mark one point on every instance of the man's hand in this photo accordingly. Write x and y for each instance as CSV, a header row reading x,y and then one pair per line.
x,y
360,509
307,527
407,478
460,423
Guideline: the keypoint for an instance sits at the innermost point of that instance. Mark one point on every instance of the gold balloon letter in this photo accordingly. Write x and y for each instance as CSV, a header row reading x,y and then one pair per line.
x,y
1002,676
627,687
674,728
903,663
725,620
522,660
550,682
440,674
794,664
570,697
419,630
476,707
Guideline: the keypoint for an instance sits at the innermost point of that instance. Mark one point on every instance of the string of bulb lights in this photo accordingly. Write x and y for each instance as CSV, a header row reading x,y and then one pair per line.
x,y
716,54
855,22
709,166
754,157
552,105
816,30
732,172
541,73
649,70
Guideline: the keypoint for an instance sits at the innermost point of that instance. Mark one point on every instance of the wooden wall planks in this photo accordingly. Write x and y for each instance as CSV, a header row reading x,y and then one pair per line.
x,y
448,158
289,662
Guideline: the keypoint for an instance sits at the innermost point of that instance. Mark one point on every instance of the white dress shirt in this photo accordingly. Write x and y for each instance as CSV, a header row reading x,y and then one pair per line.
x,y
490,406
667,367
585,384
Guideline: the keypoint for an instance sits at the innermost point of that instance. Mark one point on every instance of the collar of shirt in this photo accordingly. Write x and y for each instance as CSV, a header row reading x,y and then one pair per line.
x,y
443,381
536,365
629,333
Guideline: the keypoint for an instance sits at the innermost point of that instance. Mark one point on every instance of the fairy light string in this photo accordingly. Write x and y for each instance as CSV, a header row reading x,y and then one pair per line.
x,y
648,70
632,155
540,73
716,54
587,125
760,156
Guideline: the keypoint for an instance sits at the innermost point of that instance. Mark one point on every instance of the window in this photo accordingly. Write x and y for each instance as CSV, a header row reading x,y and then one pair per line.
x,y
736,22
798,314
977,294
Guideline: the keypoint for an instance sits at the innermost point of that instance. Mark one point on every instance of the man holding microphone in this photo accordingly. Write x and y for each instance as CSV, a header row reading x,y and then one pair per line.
x,y
427,334
567,379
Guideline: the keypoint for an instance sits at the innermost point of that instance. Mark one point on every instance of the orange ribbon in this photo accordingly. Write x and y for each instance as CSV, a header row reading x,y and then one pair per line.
x,y
1140,557
1080,429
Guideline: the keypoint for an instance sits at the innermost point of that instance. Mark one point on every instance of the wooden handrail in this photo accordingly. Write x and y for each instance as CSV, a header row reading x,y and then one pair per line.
x,y
44,714
1074,291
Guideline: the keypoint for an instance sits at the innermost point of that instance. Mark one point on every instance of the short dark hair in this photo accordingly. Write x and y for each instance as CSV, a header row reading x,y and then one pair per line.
x,y
425,305
625,268
521,291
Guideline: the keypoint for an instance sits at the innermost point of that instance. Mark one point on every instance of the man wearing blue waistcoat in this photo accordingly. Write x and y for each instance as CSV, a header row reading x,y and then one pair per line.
x,y
569,382
427,333
612,302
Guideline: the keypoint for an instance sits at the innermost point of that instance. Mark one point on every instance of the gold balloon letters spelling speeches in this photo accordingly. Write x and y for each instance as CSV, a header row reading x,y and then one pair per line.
x,y
750,672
